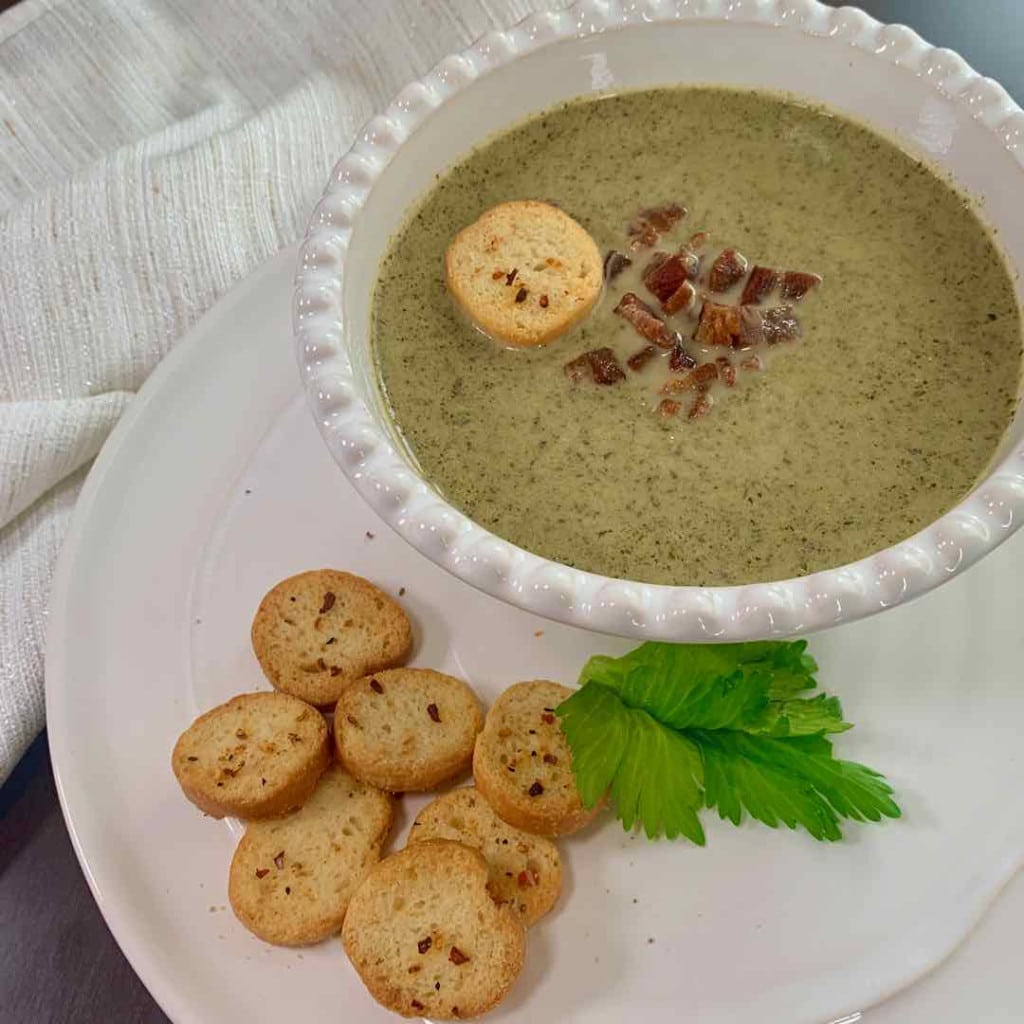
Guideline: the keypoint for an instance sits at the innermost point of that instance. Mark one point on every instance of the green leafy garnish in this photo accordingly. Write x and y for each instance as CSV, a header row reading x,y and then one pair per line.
x,y
669,729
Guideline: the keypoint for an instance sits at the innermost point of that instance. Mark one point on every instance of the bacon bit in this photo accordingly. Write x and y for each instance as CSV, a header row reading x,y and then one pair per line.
x,y
543,302
547,718
698,241
681,300
550,759
279,861
497,275
638,360
615,263
521,295
649,225
796,284
681,359
600,362
668,407
435,715
424,944
511,276
328,604
665,273
536,789
647,323
762,280
701,407
726,371
262,872
699,379
375,686
729,266
718,325
527,879
768,325
457,957
752,362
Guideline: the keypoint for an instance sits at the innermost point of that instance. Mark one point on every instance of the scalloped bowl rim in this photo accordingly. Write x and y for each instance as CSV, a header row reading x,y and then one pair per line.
x,y
371,461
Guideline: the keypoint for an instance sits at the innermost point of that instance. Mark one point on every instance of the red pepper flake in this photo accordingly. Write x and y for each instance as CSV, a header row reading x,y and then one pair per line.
x,y
796,284
328,604
424,944
762,280
615,263
416,1004
262,872
510,277
729,266
646,322
279,861
638,360
550,759
536,789
726,371
521,295
263,782
543,300
416,968
192,758
497,275
351,721
435,715
457,957
287,890
330,640
548,718
698,241
375,686
668,407
538,632
335,670
527,879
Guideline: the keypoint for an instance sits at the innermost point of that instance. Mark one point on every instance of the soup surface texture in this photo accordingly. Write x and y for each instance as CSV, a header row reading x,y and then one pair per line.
x,y
879,420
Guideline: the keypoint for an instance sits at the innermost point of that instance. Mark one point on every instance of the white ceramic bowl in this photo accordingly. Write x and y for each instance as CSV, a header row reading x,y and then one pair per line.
x,y
926,98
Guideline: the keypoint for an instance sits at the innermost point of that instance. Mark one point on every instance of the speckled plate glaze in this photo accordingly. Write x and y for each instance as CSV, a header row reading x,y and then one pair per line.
x,y
927,98
216,484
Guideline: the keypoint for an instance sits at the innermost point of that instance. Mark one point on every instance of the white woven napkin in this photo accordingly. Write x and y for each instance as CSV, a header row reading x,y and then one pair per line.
x,y
152,153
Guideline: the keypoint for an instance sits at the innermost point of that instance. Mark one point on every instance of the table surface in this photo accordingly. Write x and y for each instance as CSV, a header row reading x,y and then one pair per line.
x,y
58,961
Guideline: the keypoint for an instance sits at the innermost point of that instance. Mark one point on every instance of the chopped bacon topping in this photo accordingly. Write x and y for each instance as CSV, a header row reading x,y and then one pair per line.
x,y
600,363
759,326
666,273
638,360
681,359
728,268
762,280
701,407
649,225
699,379
718,325
726,371
615,263
668,407
796,284
647,323
681,300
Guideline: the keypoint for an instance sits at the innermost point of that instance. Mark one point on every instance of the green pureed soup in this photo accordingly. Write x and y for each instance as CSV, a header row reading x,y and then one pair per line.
x,y
878,421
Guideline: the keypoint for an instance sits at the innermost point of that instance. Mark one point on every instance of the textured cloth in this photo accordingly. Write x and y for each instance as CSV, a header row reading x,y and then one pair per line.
x,y
152,153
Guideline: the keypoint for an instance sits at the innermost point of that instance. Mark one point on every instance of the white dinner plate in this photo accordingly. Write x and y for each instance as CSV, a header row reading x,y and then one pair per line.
x,y
216,484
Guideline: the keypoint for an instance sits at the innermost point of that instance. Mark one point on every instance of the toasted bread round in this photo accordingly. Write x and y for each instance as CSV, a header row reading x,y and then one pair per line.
x,y
525,272
426,937
256,756
316,632
408,729
291,878
525,870
522,763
